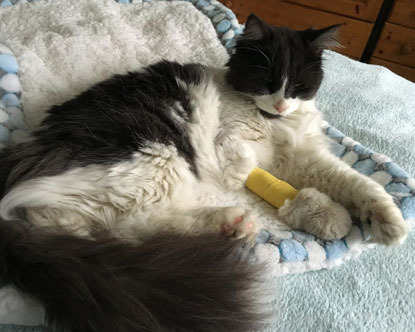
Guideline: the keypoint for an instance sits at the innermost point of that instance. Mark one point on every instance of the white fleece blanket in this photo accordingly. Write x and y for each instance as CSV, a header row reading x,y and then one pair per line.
x,y
72,44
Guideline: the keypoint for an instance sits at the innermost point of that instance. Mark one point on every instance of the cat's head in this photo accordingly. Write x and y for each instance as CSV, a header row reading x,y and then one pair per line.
x,y
279,67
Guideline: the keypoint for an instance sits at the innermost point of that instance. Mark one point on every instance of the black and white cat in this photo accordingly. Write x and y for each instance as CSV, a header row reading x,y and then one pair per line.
x,y
132,154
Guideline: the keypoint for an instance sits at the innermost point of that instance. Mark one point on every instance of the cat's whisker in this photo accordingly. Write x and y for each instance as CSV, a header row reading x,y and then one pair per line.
x,y
266,56
256,49
273,56
262,67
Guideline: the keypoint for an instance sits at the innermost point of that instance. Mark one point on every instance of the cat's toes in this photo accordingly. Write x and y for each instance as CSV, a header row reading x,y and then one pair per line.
x,y
237,222
316,213
388,225
329,227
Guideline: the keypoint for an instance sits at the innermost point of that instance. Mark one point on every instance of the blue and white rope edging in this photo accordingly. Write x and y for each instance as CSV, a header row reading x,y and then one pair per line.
x,y
309,252
12,125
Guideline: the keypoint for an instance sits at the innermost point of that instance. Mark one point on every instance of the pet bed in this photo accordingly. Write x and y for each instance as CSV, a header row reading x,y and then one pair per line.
x,y
173,31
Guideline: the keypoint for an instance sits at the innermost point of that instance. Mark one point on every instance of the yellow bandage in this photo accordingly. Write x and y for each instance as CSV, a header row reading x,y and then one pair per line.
x,y
268,187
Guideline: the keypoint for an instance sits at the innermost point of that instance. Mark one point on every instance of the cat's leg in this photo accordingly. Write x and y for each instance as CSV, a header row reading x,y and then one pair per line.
x,y
84,198
232,221
68,220
314,166
237,160
316,213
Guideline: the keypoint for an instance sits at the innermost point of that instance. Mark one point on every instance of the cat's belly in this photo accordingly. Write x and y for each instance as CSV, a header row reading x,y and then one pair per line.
x,y
237,157
152,180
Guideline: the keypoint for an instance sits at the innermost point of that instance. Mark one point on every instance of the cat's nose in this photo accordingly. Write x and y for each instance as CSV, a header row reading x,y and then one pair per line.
x,y
280,107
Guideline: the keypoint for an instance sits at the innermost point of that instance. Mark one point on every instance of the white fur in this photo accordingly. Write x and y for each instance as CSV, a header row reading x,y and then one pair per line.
x,y
231,137
268,102
122,193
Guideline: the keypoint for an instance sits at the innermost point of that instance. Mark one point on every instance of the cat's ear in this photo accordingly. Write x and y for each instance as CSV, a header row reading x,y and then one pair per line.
x,y
323,39
255,28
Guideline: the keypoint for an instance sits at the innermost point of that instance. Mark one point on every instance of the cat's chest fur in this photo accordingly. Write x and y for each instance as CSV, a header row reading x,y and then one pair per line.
x,y
272,141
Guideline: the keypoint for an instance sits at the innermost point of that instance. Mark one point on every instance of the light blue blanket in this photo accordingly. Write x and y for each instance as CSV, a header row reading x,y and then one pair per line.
x,y
372,105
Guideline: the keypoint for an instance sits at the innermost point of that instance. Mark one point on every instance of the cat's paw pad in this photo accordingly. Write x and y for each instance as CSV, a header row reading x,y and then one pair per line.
x,y
237,222
388,225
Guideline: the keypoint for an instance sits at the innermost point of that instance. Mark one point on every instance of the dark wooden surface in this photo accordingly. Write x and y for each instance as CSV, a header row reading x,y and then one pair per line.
x,y
394,47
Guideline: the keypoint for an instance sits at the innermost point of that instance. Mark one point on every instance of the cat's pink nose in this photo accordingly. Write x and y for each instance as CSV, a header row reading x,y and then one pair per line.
x,y
280,107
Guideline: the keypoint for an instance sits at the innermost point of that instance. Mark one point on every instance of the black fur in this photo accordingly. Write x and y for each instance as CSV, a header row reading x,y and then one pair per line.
x,y
107,124
179,283
266,55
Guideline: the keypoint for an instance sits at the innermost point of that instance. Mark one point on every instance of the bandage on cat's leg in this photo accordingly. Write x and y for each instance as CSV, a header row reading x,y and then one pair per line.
x,y
269,188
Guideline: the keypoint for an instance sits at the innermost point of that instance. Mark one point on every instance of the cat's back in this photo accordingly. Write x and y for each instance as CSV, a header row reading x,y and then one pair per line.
x,y
151,91
113,120
127,112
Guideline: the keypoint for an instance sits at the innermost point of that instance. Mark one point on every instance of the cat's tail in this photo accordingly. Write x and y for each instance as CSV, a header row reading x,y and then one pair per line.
x,y
168,283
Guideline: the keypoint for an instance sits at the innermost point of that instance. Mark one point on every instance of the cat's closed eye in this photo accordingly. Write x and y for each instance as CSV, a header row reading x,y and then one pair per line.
x,y
277,65
274,84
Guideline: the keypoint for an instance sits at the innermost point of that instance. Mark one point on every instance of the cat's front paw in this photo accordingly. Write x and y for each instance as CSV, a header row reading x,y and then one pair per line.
x,y
237,222
388,225
316,213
